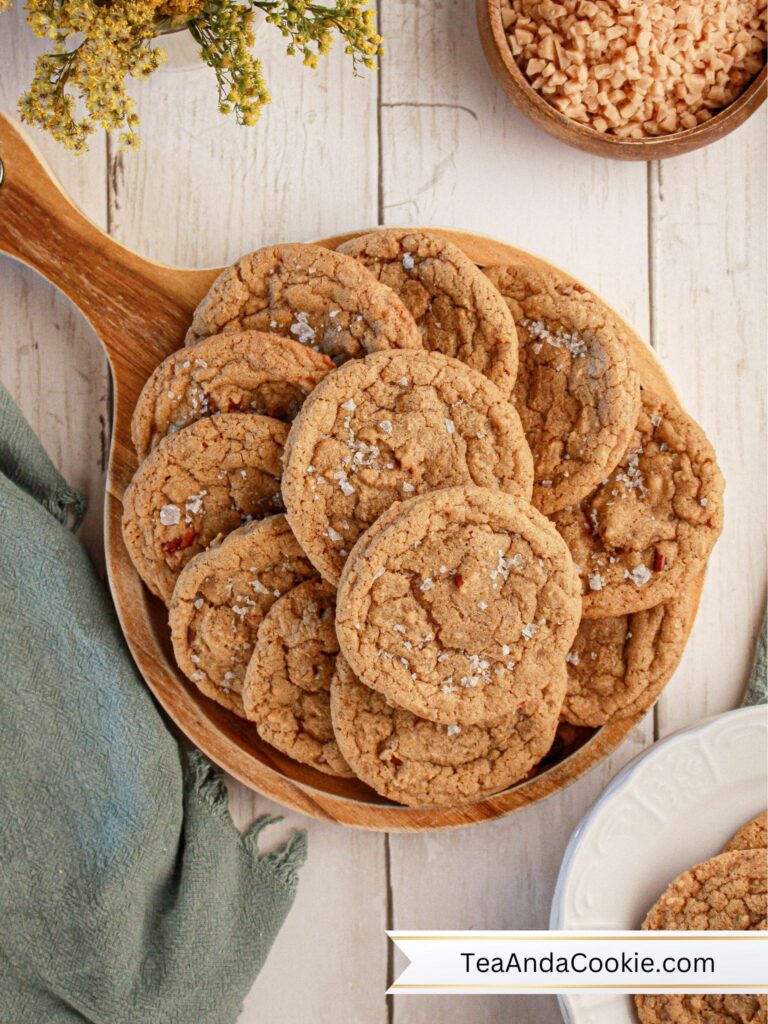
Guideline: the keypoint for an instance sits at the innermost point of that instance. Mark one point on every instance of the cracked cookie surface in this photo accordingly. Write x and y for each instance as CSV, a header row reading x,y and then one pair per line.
x,y
325,300
752,836
287,683
220,600
458,605
424,764
727,893
653,521
248,372
619,665
456,310
577,391
199,484
387,427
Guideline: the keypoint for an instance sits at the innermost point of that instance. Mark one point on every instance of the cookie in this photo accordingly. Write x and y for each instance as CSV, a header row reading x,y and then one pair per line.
x,y
201,483
702,1009
618,666
386,427
458,605
727,893
422,764
220,600
653,521
456,310
577,391
323,299
286,691
248,372
752,836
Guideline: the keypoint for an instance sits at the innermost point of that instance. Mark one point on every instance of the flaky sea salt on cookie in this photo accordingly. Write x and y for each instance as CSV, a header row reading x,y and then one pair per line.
x,y
203,482
425,764
577,391
220,600
325,300
458,605
619,665
727,893
248,372
287,684
457,312
653,522
391,426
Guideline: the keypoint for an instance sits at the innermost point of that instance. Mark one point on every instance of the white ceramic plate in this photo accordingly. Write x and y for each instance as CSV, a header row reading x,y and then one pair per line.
x,y
676,804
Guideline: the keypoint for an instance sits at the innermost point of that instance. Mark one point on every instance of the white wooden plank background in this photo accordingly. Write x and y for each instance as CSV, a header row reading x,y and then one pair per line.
x,y
678,249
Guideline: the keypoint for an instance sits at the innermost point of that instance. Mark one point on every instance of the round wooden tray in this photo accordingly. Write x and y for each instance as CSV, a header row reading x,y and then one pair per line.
x,y
535,107
140,310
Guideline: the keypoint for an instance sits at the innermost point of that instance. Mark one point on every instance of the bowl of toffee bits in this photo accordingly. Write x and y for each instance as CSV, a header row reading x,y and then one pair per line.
x,y
629,79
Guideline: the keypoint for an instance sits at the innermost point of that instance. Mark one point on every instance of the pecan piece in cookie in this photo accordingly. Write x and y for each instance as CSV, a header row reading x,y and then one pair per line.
x,y
387,427
220,600
653,521
458,605
577,391
325,300
203,482
287,684
455,308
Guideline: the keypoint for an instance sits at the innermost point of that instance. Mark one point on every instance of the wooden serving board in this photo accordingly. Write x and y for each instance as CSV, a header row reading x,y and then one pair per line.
x,y
140,311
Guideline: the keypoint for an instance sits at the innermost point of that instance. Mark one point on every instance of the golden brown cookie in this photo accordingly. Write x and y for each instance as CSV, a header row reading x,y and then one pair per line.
x,y
222,596
198,484
287,684
387,427
727,893
458,605
424,764
457,312
248,372
325,300
705,1008
618,666
752,836
577,391
653,521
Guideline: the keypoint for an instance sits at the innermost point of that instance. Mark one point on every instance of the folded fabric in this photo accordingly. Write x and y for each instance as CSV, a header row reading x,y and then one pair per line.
x,y
127,896
757,687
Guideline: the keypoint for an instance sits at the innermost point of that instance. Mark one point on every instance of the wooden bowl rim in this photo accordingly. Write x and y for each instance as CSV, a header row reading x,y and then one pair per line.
x,y
221,735
536,108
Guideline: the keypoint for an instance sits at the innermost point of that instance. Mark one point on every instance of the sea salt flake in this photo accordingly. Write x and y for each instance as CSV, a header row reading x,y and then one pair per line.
x,y
170,515
379,573
198,603
408,261
596,581
335,537
426,584
259,587
639,575
386,426
529,631
408,488
302,330
346,487
349,405
572,657
453,730
450,426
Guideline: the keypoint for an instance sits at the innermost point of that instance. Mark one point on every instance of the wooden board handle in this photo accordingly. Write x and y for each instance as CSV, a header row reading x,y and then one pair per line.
x,y
118,291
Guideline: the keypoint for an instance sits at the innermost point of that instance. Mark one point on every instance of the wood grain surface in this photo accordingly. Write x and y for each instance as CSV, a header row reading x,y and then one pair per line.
x,y
678,248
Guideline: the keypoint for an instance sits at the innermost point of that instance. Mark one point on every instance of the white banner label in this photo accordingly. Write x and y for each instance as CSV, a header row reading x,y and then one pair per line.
x,y
622,961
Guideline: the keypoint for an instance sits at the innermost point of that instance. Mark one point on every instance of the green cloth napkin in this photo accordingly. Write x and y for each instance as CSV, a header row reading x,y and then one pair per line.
x,y
757,687
127,896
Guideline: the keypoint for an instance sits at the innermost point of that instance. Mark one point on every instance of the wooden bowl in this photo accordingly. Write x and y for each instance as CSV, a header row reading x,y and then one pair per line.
x,y
140,311
535,107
